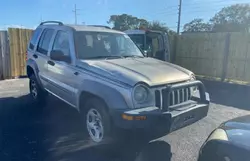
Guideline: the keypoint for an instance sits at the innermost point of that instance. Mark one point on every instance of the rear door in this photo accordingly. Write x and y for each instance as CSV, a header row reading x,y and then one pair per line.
x,y
41,54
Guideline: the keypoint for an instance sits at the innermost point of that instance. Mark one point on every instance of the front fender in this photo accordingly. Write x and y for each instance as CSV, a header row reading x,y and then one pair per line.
x,y
115,97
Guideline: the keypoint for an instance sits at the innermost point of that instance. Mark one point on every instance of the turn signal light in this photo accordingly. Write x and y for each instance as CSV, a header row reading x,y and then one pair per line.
x,y
126,117
130,118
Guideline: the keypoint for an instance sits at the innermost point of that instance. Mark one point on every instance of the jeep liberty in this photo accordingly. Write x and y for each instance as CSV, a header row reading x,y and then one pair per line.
x,y
102,74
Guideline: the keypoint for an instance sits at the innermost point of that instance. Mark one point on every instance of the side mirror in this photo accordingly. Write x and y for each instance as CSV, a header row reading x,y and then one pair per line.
x,y
58,55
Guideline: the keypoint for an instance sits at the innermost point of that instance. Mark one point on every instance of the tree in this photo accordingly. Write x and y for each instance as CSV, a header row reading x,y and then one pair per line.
x,y
197,25
125,22
234,18
156,25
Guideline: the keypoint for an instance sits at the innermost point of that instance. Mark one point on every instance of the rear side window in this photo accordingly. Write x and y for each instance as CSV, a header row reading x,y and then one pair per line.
x,y
34,38
43,45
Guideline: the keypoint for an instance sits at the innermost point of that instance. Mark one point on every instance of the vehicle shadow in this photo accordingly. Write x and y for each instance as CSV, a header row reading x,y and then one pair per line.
x,y
55,132
228,94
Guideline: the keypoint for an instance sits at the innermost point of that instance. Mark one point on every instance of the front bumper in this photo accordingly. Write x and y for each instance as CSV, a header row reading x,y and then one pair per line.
x,y
153,118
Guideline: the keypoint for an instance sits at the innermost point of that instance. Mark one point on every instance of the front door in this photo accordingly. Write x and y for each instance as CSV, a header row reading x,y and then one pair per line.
x,y
61,73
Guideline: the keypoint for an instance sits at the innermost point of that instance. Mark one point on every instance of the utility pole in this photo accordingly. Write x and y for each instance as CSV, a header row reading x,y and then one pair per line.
x,y
75,12
179,17
41,18
178,32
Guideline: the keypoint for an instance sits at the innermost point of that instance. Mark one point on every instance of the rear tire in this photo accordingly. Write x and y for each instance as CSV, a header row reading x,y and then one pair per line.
x,y
97,121
38,95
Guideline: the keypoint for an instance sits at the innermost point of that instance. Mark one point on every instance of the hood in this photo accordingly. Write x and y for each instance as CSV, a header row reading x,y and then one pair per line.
x,y
238,130
133,70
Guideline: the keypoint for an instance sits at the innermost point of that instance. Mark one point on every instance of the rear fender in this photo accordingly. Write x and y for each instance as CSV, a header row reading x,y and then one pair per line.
x,y
35,68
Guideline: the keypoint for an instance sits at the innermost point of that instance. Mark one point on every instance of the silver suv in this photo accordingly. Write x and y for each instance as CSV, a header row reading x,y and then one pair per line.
x,y
101,73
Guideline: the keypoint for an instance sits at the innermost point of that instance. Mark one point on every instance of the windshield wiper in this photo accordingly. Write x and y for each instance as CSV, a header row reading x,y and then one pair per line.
x,y
107,57
133,56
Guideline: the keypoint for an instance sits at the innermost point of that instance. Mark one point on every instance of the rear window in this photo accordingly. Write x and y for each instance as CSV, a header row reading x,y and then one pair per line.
x,y
34,38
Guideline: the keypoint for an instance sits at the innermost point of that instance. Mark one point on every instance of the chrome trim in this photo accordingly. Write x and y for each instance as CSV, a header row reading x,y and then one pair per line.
x,y
161,99
183,91
61,85
182,95
178,96
173,97
60,98
187,93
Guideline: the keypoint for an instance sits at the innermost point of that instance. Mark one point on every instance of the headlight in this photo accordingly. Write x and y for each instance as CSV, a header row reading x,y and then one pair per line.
x,y
192,77
193,89
140,93
218,134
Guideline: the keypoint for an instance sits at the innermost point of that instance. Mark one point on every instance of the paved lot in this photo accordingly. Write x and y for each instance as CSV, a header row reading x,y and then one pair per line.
x,y
55,132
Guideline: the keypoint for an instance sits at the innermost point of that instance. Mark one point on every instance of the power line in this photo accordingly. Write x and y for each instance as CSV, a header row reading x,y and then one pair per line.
x,y
196,6
193,9
199,3
215,3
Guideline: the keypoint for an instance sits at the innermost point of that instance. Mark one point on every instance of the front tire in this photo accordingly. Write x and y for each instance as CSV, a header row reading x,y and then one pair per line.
x,y
97,121
38,95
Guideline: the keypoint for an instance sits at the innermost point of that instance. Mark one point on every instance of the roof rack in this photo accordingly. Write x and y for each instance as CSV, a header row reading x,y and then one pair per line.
x,y
107,27
58,22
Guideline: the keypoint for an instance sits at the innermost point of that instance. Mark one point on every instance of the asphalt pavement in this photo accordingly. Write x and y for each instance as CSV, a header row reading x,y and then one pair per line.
x,y
55,133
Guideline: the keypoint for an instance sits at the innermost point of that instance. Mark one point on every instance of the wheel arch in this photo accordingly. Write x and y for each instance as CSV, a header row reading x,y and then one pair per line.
x,y
85,95
32,68
111,96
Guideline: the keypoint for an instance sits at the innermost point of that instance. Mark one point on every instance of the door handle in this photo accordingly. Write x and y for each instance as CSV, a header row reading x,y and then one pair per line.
x,y
35,56
50,62
76,73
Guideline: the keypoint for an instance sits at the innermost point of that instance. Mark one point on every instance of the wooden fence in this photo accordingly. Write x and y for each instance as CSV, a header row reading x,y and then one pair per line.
x,y
18,41
13,47
220,55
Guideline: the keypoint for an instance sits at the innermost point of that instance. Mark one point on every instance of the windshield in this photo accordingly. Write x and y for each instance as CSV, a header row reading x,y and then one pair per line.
x,y
138,39
90,45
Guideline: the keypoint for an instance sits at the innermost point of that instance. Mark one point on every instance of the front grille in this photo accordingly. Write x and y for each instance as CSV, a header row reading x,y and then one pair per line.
x,y
176,97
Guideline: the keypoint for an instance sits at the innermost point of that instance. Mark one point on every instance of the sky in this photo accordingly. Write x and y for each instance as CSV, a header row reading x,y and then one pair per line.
x,y
29,13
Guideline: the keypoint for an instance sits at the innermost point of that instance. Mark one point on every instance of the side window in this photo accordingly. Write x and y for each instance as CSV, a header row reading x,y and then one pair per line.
x,y
43,45
62,43
89,39
34,38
